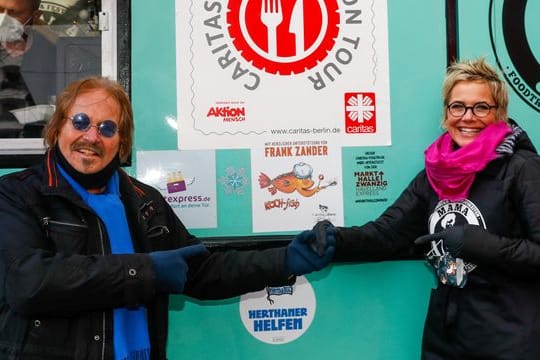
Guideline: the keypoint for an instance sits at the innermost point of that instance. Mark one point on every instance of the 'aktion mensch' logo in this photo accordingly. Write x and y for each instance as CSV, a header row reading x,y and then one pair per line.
x,y
514,30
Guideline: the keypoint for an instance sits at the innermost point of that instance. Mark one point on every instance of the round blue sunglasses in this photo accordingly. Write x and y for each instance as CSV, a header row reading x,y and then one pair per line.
x,y
81,122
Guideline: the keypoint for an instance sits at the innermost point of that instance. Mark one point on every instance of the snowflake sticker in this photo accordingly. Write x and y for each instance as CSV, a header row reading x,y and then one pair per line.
x,y
234,181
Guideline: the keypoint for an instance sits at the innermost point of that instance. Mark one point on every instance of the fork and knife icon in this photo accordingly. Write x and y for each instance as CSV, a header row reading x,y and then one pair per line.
x,y
271,16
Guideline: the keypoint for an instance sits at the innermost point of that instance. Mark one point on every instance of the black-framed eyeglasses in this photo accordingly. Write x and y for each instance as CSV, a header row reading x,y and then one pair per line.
x,y
480,109
81,122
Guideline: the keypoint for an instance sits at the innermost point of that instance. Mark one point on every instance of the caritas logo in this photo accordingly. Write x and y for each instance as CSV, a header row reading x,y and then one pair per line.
x,y
283,36
360,113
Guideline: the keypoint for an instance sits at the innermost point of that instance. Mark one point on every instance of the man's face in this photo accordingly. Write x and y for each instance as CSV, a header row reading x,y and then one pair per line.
x,y
19,9
89,151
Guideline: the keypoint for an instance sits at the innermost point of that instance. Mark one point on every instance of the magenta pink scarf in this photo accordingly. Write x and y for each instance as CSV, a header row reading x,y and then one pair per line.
x,y
451,172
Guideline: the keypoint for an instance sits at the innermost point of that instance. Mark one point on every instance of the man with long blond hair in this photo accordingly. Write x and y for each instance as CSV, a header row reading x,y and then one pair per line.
x,y
89,255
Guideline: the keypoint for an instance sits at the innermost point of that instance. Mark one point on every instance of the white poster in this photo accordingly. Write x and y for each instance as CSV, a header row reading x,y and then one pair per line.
x,y
187,181
253,71
296,184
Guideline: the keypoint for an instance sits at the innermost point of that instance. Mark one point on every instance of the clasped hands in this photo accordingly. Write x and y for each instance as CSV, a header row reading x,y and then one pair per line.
x,y
311,250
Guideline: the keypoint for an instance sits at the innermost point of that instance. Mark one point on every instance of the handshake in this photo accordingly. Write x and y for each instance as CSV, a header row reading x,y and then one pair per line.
x,y
311,250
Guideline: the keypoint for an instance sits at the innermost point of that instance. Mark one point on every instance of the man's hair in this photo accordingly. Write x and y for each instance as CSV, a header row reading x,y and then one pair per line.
x,y
35,4
67,98
476,70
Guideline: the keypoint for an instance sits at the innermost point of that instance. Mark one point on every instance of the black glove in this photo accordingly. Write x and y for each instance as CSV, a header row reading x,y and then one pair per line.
x,y
323,229
452,238
171,268
300,257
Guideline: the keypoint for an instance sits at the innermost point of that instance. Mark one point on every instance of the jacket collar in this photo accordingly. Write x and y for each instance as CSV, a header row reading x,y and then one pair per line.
x,y
138,206
55,183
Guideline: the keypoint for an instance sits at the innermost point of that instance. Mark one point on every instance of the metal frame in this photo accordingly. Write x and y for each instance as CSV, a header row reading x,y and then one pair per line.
x,y
451,31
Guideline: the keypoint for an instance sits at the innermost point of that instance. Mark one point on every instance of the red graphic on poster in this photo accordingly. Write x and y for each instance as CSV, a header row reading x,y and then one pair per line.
x,y
360,113
299,180
283,36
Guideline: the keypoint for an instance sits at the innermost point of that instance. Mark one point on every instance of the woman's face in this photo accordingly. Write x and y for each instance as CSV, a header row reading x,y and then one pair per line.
x,y
466,127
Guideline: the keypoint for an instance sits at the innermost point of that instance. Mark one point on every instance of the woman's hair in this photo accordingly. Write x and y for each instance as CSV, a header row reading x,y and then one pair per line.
x,y
476,70
67,98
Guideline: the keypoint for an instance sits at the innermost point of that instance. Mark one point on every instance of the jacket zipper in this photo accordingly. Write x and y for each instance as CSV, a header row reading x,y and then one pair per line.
x,y
157,231
47,220
104,313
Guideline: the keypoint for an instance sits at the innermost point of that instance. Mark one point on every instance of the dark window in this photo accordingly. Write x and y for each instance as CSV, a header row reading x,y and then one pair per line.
x,y
44,45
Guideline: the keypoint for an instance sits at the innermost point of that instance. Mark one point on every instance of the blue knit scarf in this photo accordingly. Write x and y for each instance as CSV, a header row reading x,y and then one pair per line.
x,y
130,332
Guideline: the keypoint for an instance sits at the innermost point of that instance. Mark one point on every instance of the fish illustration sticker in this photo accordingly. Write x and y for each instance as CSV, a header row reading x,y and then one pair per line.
x,y
293,185
299,180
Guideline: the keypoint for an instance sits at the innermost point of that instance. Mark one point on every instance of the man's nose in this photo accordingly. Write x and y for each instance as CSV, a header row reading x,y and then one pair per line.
x,y
92,134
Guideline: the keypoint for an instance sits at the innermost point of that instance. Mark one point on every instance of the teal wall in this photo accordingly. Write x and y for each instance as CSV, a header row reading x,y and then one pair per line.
x,y
364,311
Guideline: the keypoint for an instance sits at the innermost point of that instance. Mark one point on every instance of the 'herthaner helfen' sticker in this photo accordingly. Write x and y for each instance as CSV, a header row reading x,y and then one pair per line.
x,y
278,315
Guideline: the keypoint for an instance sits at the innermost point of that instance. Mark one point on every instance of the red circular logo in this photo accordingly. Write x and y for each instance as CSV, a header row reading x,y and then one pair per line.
x,y
283,36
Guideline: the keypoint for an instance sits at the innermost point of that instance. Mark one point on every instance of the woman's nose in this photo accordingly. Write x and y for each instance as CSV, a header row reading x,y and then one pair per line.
x,y
468,114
